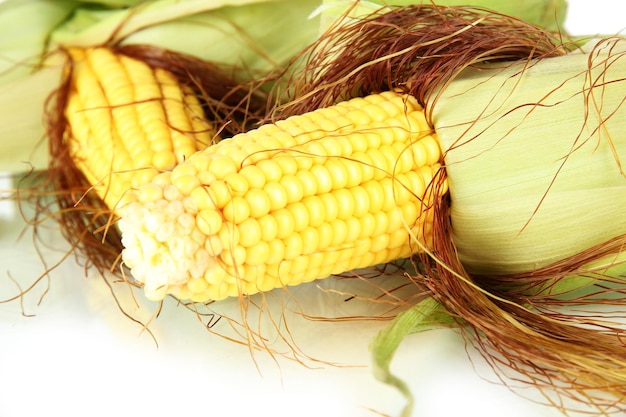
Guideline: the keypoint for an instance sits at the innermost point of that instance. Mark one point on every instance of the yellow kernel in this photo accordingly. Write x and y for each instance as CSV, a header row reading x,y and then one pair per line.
x,y
202,198
229,235
374,140
368,225
310,240
276,251
358,142
164,159
197,285
293,188
252,274
219,193
237,183
332,146
315,207
317,259
379,243
331,208
277,195
354,172
287,164
206,177
258,202
325,236
389,201
340,232
236,210
293,246
233,256
254,175
308,182
258,253
285,221
345,203
376,195
432,149
324,178
419,154
365,164
381,164
209,221
382,221
410,213
386,135
271,170
184,168
149,192
300,215
361,247
338,172
316,152
375,112
304,161
269,227
354,229
298,268
398,237
361,201
249,232
186,183
358,117
221,166
282,139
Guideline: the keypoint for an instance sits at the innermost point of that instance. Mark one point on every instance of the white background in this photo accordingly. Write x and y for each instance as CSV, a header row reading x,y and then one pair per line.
x,y
79,356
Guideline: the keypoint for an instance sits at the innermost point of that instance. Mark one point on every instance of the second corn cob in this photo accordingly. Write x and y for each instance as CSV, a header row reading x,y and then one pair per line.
x,y
333,190
140,120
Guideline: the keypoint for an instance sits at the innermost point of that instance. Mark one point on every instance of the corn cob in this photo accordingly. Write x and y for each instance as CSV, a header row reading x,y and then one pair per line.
x,y
139,119
333,190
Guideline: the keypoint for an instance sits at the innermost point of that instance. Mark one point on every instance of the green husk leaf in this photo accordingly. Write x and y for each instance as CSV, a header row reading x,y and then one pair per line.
x,y
426,315
25,26
251,34
561,129
549,14
22,147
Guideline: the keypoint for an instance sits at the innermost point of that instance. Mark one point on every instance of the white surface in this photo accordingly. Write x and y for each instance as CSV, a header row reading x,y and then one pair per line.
x,y
78,356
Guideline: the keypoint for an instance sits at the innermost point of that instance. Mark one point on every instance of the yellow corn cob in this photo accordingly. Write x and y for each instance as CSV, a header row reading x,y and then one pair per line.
x,y
322,193
128,121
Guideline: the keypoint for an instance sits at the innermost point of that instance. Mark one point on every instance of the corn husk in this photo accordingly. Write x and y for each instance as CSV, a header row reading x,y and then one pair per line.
x,y
560,128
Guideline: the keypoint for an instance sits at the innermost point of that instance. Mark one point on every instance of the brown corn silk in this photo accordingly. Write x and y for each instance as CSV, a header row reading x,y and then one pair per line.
x,y
526,328
86,221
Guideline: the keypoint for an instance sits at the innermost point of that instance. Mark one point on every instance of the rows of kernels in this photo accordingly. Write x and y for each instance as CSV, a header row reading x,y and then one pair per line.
x,y
118,106
307,205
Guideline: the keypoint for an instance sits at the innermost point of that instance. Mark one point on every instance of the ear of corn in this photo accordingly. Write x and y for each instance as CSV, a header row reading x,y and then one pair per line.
x,y
128,121
326,192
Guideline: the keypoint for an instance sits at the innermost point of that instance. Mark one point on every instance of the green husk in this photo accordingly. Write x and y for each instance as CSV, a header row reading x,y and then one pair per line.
x,y
25,26
562,188
426,315
549,14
